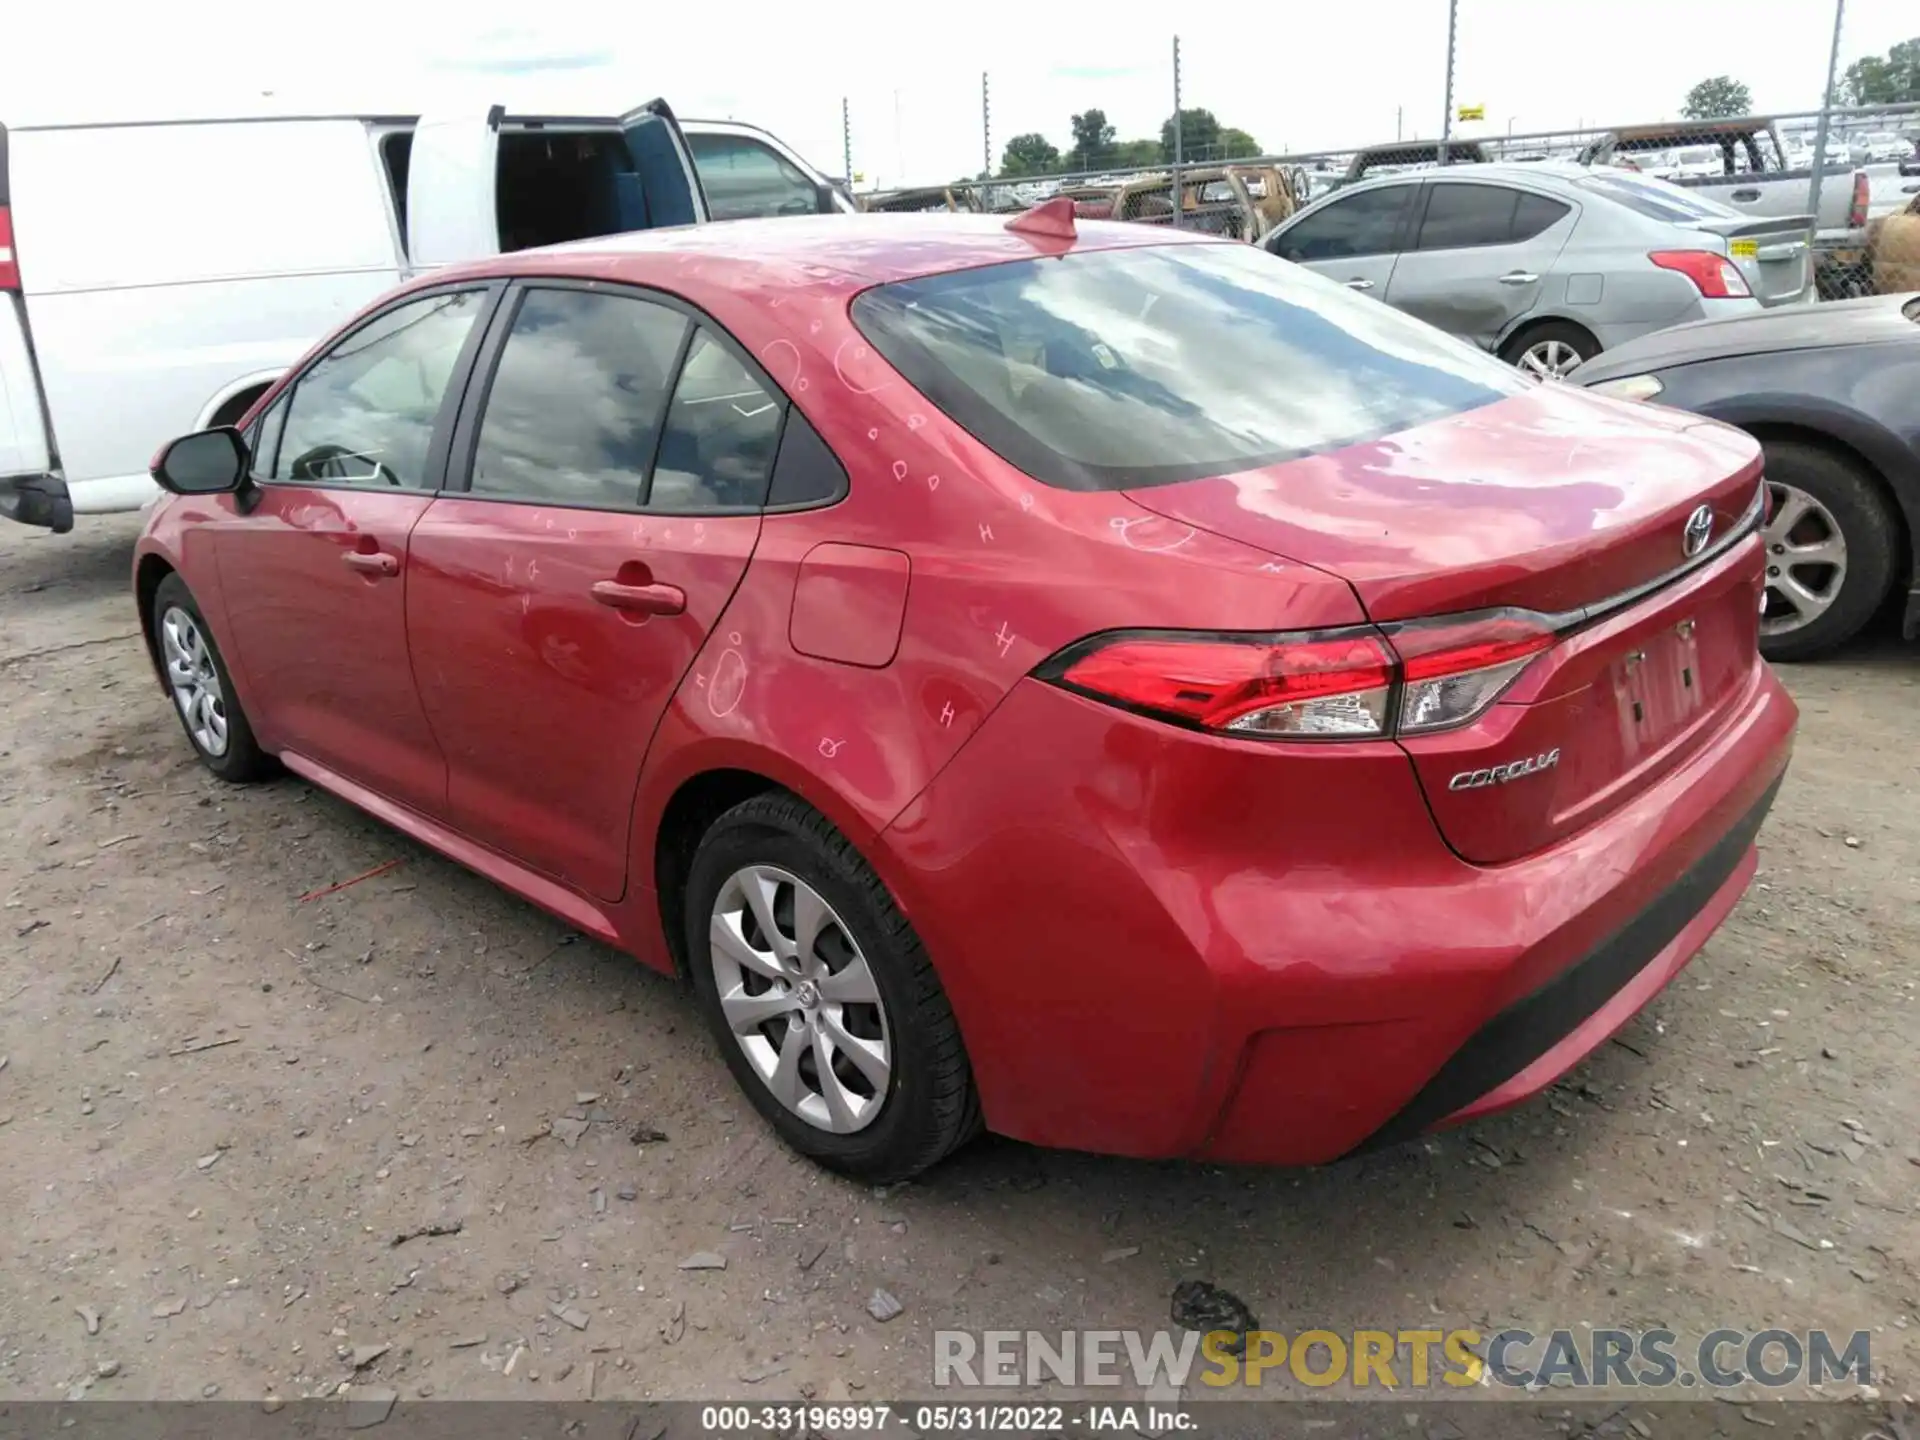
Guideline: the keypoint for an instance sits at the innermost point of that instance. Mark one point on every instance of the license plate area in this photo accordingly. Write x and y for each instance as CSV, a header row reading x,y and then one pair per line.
x,y
1660,685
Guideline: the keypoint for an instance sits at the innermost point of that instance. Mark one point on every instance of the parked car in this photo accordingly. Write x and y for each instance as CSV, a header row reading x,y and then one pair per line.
x,y
1753,173
747,172
1546,265
1877,146
1829,392
1102,685
108,347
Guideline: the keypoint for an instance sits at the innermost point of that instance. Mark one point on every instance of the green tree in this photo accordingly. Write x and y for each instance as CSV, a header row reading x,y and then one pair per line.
x,y
1199,133
1716,96
1092,140
1236,145
1029,154
1892,79
1136,154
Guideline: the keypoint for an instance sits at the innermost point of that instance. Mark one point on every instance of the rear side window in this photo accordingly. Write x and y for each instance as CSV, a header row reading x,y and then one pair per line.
x,y
1364,224
574,412
720,435
1534,214
1106,370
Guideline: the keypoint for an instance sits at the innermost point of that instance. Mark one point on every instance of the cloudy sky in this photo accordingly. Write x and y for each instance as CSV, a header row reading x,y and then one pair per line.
x,y
1296,75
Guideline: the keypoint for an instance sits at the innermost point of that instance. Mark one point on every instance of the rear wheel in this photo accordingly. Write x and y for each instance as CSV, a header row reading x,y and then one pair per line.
x,y
821,996
202,691
1831,543
1550,349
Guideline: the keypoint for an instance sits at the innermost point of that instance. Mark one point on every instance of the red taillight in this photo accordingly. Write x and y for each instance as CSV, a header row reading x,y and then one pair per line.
x,y
1345,684
1857,211
1332,684
9,264
1715,276
1454,669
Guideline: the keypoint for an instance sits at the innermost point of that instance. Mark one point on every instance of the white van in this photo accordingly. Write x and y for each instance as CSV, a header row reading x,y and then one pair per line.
x,y
156,277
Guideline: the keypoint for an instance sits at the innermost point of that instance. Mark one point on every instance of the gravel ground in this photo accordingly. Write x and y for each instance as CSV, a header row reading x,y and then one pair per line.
x,y
221,1104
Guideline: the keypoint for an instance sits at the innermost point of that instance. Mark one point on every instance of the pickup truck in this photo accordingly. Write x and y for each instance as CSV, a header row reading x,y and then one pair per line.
x,y
1753,176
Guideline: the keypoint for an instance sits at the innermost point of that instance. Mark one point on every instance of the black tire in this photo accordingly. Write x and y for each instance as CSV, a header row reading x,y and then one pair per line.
x,y
1545,332
930,1107
242,761
1867,525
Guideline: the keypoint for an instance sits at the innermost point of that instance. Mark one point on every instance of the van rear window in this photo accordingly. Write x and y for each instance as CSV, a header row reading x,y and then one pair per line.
x,y
1112,369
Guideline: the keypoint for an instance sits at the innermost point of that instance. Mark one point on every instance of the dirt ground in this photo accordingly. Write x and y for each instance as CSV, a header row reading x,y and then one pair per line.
x,y
221,1104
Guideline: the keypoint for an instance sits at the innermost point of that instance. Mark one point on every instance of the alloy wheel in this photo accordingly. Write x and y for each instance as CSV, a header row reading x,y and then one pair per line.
x,y
194,680
1806,560
800,999
1549,359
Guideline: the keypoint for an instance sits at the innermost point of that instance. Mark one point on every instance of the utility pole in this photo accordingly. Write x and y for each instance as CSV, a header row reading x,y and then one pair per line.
x,y
1446,121
1820,134
846,143
986,131
1399,122
1178,126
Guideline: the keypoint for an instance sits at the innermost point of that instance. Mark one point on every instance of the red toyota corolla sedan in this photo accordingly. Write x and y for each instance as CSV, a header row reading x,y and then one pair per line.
x,y
1112,688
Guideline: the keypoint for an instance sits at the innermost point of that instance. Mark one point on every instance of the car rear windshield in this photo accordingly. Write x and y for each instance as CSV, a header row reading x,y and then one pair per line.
x,y
1111,369
1655,199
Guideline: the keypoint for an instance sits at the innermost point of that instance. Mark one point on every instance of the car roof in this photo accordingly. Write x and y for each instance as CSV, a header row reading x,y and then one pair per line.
x,y
816,251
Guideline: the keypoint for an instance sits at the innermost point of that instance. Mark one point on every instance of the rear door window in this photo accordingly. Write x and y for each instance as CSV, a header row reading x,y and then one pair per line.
x,y
721,432
1462,216
573,414
1367,223
1109,370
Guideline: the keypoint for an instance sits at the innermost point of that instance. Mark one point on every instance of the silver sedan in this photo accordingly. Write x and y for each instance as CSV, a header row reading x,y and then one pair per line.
x,y
1548,264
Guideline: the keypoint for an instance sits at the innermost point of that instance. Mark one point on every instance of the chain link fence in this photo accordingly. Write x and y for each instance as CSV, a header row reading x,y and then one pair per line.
x,y
1849,175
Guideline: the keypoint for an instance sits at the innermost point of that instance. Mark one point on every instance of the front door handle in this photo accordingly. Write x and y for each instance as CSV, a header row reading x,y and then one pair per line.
x,y
641,599
372,562
1518,277
1358,284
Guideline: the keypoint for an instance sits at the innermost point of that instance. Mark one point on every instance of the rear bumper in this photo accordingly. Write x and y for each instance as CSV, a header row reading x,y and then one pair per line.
x,y
37,500
1159,944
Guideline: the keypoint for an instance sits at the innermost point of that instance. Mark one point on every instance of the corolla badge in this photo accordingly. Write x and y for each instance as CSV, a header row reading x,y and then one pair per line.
x,y
1501,774
1699,530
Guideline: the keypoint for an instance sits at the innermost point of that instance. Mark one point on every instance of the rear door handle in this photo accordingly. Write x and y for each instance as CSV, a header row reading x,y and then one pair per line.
x,y
641,599
372,562
1358,284
1746,194
1518,277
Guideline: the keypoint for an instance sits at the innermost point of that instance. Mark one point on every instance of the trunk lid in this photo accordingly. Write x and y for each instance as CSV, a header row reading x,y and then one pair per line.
x,y
1554,502
1773,255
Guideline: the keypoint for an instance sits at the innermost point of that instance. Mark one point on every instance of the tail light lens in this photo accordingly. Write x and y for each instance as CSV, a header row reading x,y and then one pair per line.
x,y
9,265
1857,211
1352,684
1714,276
1451,671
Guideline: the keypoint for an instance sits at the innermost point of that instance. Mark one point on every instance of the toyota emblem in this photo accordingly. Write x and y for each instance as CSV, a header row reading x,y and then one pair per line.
x,y
1699,530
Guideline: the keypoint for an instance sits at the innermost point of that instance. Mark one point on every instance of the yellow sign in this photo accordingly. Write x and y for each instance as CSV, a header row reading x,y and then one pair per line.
x,y
1745,249
1471,112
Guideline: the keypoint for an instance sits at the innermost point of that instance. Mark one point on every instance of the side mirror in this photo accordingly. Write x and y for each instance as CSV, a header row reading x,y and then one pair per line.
x,y
207,462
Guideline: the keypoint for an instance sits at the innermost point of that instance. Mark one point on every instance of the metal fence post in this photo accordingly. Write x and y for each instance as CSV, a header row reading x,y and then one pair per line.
x,y
846,142
1824,125
1446,120
1179,124
986,132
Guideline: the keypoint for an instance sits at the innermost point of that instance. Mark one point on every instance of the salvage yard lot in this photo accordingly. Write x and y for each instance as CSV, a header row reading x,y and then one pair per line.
x,y
221,1104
